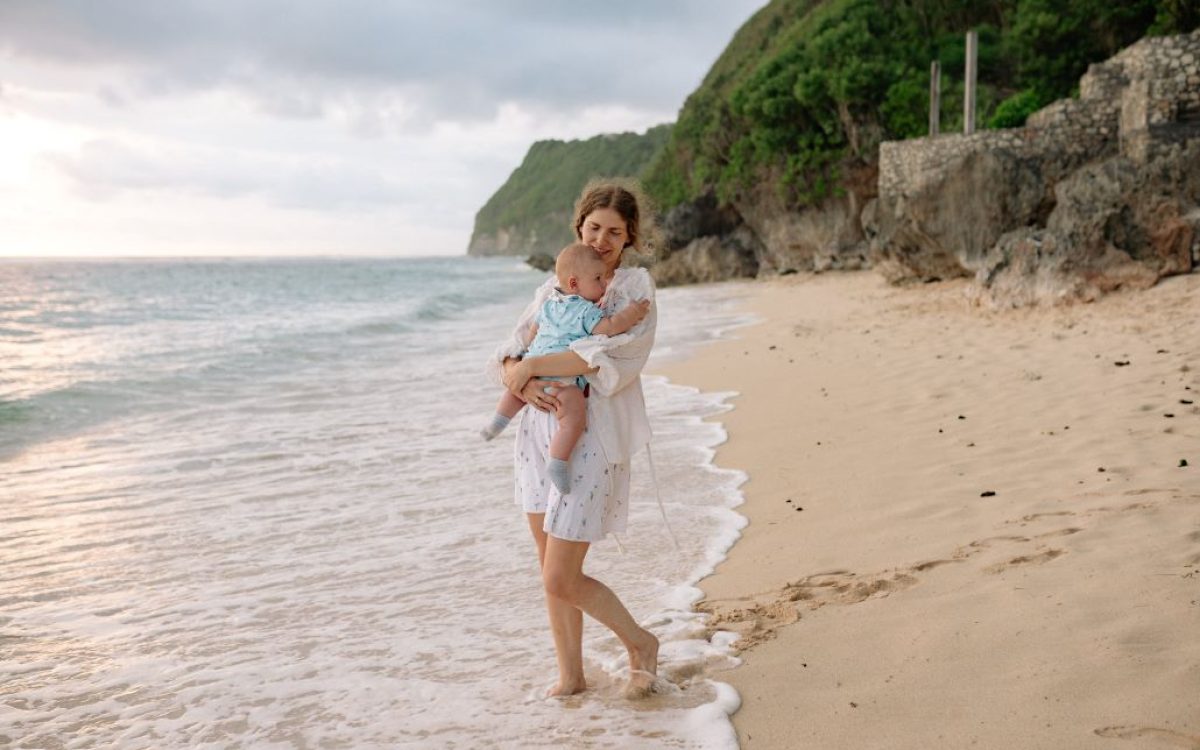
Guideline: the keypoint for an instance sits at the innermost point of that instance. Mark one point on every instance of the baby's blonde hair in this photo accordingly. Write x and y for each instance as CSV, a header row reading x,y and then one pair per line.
x,y
574,260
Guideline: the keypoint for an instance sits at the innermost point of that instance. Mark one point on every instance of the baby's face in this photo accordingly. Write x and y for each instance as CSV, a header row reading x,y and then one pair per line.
x,y
590,282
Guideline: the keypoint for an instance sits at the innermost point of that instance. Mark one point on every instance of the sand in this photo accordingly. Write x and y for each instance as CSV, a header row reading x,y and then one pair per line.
x,y
966,527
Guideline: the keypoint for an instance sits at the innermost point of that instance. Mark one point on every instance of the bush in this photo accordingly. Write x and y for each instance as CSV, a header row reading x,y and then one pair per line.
x,y
1014,110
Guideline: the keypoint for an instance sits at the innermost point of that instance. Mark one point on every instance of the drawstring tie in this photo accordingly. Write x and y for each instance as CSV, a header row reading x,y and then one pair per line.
x,y
658,497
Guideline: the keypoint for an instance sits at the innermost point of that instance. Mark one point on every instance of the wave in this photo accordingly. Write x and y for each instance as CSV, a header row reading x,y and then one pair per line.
x,y
14,412
378,328
444,306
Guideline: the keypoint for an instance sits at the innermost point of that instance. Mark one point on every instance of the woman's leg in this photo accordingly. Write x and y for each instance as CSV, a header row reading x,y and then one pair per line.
x,y
566,624
562,575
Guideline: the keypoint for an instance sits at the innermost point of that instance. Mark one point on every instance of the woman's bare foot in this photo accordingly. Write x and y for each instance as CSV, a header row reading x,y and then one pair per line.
x,y
643,667
566,687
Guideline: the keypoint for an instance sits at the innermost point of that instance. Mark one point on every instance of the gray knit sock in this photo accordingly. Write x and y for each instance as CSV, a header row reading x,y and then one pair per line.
x,y
560,474
495,427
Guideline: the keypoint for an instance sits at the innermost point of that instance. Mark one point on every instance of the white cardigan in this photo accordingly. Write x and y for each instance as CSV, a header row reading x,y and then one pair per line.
x,y
616,407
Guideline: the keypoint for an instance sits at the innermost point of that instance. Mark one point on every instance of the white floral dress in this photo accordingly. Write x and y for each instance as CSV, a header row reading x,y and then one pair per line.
x,y
598,503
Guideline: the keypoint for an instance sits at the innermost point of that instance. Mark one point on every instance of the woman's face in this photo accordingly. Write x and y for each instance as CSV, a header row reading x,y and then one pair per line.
x,y
605,231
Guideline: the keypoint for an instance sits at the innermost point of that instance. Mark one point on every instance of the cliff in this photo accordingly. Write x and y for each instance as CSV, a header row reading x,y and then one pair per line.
x,y
781,149
530,214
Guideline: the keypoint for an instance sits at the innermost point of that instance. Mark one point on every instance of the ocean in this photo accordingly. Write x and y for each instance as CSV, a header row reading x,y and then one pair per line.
x,y
243,504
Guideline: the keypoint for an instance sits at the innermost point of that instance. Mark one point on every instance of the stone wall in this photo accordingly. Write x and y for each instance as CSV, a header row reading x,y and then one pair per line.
x,y
1161,106
1149,90
945,202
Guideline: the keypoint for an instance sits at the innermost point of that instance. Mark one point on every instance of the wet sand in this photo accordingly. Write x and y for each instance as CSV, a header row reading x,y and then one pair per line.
x,y
966,527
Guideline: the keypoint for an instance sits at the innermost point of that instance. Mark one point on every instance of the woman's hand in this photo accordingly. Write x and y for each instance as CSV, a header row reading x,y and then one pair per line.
x,y
534,394
519,380
517,373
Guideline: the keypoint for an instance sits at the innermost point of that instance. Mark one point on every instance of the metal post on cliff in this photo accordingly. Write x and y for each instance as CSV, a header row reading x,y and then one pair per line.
x,y
972,70
935,97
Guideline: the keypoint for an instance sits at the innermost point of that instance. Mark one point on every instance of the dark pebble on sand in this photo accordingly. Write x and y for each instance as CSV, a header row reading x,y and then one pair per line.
x,y
1182,462
961,416
1185,401
1163,351
970,445
1101,470
1121,363
770,347
1169,415
853,704
987,493
939,429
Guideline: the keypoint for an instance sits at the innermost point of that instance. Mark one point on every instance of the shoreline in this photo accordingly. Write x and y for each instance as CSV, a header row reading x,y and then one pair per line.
x,y
882,596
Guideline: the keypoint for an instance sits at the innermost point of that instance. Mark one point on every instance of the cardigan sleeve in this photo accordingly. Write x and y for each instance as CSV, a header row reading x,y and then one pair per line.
x,y
620,358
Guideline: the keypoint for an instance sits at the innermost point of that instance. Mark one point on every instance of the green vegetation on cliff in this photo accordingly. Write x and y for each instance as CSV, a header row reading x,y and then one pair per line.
x,y
534,206
807,89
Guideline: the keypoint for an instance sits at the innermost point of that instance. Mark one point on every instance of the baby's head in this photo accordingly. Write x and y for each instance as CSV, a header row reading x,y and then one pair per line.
x,y
580,271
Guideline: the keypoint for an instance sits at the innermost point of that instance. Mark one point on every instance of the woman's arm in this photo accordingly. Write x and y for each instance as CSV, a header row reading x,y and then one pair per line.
x,y
517,373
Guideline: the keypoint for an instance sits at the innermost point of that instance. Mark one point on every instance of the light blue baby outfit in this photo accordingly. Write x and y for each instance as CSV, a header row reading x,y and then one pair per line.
x,y
564,318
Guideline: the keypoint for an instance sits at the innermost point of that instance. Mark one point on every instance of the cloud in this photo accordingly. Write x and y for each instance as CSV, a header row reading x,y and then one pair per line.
x,y
103,168
453,59
228,126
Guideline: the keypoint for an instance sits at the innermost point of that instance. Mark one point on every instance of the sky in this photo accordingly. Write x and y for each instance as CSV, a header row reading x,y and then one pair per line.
x,y
276,127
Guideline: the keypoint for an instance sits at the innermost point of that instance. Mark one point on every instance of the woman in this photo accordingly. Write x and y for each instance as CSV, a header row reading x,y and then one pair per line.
x,y
609,219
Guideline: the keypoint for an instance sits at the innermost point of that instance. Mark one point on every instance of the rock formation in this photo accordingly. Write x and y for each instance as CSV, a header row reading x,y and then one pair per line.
x,y
759,236
1092,195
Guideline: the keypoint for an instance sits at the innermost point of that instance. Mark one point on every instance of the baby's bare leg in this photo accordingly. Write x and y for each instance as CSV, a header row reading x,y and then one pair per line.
x,y
509,405
572,419
506,409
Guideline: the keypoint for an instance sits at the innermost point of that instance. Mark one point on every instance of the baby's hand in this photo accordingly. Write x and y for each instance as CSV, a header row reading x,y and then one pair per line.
x,y
638,310
629,316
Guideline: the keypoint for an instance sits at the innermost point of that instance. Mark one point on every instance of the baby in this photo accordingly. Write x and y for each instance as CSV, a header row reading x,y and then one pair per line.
x,y
568,314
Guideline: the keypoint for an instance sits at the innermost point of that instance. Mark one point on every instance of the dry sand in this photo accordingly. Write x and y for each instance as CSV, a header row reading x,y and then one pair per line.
x,y
886,598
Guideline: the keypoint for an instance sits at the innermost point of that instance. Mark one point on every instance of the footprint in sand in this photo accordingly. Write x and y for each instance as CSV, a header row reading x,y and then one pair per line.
x,y
1166,737
1051,514
931,564
1060,532
1038,559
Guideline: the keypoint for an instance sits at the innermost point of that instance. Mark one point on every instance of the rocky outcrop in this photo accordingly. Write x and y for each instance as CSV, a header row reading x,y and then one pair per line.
x,y
816,238
1117,225
495,243
1093,194
710,258
759,236
701,242
546,236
